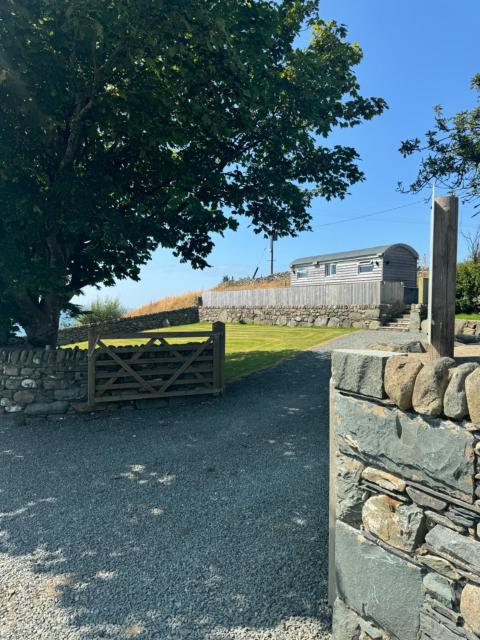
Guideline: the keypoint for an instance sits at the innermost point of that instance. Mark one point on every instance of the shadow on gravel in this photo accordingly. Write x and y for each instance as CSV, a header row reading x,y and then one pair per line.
x,y
205,521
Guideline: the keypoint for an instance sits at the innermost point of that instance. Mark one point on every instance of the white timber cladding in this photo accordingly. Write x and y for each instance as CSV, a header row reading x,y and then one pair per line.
x,y
394,263
400,264
336,294
344,272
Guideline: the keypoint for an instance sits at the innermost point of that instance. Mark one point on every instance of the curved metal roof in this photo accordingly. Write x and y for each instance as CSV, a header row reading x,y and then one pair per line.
x,y
348,255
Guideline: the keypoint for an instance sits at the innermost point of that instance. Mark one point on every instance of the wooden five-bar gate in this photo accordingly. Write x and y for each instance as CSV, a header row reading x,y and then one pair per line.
x,y
158,368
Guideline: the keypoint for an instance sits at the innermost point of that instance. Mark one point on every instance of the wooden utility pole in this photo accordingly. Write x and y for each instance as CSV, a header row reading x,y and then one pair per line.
x,y
442,283
272,240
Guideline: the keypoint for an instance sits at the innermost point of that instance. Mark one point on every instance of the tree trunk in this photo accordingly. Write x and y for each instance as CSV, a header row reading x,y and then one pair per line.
x,y
4,333
40,319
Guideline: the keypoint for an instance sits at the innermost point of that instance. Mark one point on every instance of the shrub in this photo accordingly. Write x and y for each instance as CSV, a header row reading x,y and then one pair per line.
x,y
102,311
468,287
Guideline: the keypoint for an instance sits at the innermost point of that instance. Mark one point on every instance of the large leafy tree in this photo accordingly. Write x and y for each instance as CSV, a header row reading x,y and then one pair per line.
x,y
129,124
450,152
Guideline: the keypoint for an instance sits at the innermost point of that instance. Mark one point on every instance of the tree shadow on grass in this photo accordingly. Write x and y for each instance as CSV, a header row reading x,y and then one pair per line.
x,y
205,521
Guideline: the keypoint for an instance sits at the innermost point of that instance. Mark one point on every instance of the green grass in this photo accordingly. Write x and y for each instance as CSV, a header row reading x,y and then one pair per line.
x,y
253,347
468,316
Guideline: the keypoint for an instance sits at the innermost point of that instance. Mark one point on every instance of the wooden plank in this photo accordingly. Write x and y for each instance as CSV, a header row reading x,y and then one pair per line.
x,y
158,383
166,394
134,359
340,294
186,364
174,370
91,355
207,366
146,335
123,364
219,355
180,358
442,285
124,350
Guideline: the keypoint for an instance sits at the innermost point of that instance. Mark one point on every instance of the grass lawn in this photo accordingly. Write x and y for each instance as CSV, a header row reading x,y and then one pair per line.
x,y
468,316
252,347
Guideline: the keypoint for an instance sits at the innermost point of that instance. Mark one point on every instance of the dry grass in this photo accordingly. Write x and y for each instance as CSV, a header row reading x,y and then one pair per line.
x,y
169,303
278,280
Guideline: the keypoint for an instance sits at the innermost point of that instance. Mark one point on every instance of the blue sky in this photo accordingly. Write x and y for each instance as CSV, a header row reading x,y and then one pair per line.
x,y
416,54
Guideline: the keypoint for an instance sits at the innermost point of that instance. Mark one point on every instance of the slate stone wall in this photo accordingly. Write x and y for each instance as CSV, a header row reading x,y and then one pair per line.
x,y
134,324
38,382
406,493
465,330
358,316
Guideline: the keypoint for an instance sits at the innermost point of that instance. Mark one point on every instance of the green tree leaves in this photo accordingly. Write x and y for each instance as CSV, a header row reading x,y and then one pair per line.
x,y
451,152
131,124
468,287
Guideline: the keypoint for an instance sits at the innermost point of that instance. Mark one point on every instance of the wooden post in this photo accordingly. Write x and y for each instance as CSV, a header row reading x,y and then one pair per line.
x,y
219,355
442,283
92,343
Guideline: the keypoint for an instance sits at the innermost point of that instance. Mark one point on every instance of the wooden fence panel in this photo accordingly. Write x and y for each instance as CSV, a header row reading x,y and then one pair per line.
x,y
157,369
341,294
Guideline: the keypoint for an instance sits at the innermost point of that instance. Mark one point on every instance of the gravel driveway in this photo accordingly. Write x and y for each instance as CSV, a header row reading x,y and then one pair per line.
x,y
205,521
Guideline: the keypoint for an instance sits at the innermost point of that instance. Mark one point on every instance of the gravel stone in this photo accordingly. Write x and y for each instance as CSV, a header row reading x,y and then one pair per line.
x,y
206,522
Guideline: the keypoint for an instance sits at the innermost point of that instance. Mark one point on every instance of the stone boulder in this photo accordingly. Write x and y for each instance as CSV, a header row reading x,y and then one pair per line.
x,y
400,375
430,387
472,391
400,525
470,607
455,399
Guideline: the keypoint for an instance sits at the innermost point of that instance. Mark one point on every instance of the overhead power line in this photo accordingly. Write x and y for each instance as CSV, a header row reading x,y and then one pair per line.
x,y
369,215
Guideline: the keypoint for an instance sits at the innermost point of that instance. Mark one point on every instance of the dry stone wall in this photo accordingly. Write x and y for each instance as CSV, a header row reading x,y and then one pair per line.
x,y
358,316
38,382
407,497
133,324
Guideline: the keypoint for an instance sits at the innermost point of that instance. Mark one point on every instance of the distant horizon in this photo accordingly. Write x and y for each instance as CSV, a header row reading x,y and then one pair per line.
x,y
404,64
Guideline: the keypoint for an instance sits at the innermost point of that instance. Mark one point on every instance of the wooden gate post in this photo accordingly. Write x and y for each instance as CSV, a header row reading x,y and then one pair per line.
x,y
219,357
92,343
442,283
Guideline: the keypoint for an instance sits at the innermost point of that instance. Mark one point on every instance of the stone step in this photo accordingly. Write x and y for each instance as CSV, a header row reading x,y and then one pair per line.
x,y
398,324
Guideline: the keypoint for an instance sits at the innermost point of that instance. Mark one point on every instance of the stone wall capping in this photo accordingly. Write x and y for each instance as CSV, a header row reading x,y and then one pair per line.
x,y
400,375
430,386
360,371
472,391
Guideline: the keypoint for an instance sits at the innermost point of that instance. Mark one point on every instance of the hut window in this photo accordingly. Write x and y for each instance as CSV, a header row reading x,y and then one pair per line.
x,y
302,272
331,269
365,267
